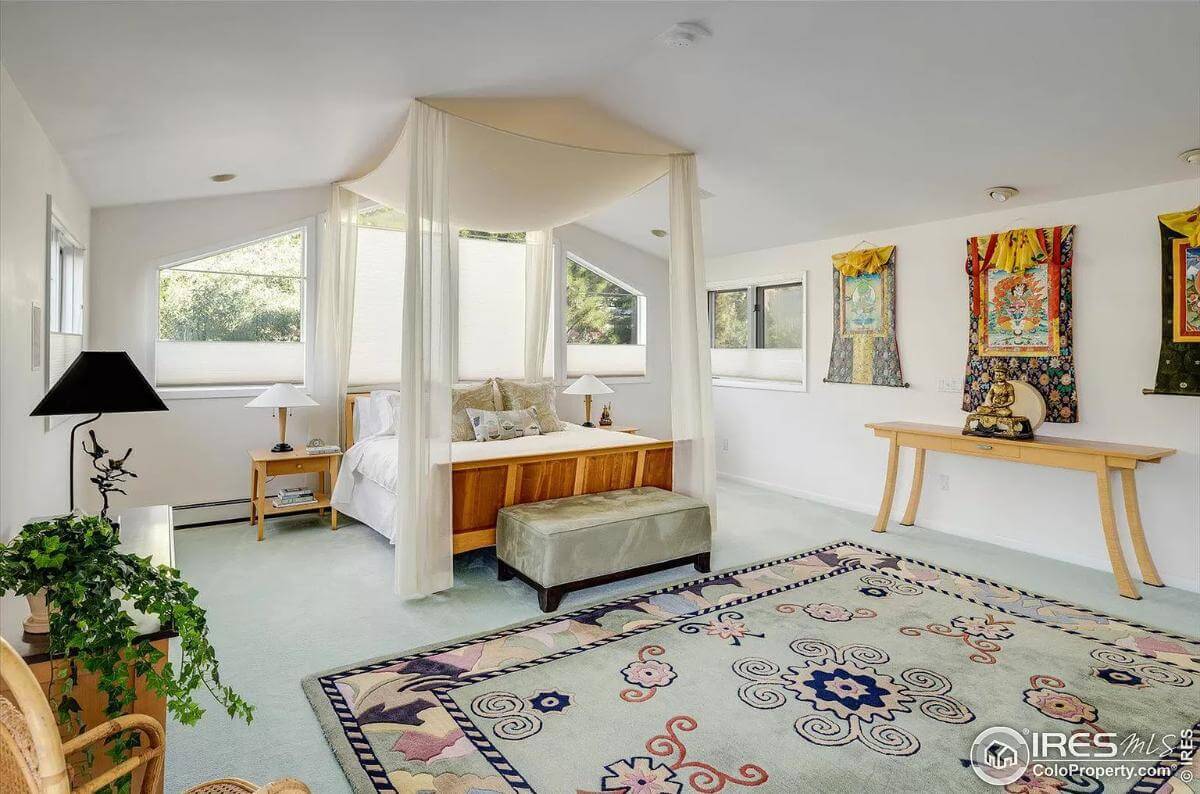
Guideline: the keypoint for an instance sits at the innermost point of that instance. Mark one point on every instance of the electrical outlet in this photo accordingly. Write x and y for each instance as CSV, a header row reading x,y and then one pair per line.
x,y
944,482
724,445
950,385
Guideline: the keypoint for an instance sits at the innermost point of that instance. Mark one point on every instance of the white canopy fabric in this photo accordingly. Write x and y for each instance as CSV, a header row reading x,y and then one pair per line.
x,y
530,165
521,164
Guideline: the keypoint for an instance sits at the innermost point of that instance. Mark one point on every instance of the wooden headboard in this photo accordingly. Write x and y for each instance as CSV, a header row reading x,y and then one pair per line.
x,y
348,438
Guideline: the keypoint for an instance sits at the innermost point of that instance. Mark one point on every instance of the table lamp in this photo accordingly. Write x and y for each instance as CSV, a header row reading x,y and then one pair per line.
x,y
282,396
587,386
100,383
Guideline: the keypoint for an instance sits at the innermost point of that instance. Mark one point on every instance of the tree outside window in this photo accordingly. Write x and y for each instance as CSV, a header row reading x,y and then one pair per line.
x,y
599,312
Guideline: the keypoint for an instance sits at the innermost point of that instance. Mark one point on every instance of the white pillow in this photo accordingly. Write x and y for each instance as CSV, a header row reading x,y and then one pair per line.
x,y
376,416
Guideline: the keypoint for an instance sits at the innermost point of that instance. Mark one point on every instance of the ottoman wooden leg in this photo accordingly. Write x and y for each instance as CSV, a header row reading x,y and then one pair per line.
x,y
504,571
550,597
704,562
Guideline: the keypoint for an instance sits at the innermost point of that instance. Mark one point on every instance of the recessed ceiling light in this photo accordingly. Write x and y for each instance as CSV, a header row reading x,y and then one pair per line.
x,y
223,177
685,34
1191,156
1001,193
659,232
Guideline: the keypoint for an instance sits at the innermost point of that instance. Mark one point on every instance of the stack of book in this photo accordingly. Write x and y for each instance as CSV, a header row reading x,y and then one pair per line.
x,y
290,497
322,449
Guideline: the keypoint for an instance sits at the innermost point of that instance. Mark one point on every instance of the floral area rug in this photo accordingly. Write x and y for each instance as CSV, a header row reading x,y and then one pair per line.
x,y
839,669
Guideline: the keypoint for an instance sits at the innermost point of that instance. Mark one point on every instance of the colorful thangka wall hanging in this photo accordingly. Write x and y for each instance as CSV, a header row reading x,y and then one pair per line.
x,y
1179,356
1020,299
864,319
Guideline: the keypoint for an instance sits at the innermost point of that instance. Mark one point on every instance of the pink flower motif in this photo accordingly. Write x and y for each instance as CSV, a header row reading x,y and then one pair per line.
x,y
831,613
987,627
726,628
640,775
650,673
1060,705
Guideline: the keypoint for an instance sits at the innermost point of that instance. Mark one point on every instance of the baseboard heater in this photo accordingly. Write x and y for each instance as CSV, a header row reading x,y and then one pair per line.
x,y
220,503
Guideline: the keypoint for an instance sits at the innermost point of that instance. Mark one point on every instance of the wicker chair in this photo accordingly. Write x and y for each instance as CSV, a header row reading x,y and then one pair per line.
x,y
33,757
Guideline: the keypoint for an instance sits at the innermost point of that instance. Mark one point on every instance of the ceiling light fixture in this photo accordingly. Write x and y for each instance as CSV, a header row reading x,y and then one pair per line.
x,y
685,34
1001,193
1191,156
223,177
659,232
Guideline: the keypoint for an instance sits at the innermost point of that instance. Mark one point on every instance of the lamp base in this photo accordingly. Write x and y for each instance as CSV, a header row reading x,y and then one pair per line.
x,y
587,424
281,447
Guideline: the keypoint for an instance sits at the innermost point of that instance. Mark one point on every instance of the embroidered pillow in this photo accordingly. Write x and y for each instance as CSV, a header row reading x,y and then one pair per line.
x,y
502,425
515,396
481,397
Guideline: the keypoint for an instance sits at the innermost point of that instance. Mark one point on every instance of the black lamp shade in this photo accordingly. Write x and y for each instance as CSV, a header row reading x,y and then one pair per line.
x,y
100,383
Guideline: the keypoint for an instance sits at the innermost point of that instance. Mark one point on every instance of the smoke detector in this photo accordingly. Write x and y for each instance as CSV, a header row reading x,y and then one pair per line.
x,y
1001,193
685,34
1191,156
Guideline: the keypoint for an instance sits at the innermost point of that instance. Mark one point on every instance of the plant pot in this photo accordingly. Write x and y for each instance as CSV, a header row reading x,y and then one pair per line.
x,y
38,621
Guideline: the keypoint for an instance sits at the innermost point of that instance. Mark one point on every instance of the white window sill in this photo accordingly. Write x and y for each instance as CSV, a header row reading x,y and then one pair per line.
x,y
761,385
617,379
208,392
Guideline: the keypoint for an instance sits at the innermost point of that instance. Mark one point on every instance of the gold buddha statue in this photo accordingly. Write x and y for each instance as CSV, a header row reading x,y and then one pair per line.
x,y
995,419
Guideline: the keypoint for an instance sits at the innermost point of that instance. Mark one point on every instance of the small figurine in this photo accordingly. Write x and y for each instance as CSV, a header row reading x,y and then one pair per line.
x,y
606,415
995,419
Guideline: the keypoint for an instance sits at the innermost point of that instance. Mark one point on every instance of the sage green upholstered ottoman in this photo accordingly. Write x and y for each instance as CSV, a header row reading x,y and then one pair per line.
x,y
567,544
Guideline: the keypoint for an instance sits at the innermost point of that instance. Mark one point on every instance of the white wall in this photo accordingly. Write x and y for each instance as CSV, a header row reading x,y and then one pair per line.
x,y
814,444
33,461
645,402
197,450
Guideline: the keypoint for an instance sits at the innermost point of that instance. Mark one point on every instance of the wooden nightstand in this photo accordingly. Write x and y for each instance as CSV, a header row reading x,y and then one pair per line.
x,y
264,464
620,428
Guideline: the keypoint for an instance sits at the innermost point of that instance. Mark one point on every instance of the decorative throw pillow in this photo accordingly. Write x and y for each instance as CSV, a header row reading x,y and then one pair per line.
x,y
515,396
501,425
481,397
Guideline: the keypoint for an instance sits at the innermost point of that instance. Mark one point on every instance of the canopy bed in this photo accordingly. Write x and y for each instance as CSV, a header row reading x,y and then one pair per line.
x,y
503,165
487,476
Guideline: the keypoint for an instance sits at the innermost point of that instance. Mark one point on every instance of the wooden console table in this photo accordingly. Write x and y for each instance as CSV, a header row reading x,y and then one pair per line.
x,y
1097,457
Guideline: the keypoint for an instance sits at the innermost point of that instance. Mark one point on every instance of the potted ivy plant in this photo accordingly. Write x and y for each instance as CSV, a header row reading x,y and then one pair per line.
x,y
91,588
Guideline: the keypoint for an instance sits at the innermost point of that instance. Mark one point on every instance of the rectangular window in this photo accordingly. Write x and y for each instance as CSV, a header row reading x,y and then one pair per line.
x,y
64,302
604,325
237,316
491,305
379,293
757,331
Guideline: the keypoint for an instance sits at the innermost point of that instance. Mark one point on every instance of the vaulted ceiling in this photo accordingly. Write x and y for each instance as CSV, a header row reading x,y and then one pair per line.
x,y
810,119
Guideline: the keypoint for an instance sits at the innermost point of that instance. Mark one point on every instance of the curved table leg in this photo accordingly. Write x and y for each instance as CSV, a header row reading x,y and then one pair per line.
x,y
889,488
1134,516
1112,540
914,495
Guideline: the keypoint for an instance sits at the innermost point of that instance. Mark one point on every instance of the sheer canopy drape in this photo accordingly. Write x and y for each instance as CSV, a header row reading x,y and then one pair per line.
x,y
539,289
424,552
335,312
691,375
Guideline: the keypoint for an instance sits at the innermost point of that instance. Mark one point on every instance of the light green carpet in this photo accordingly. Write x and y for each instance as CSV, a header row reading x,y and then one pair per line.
x,y
308,599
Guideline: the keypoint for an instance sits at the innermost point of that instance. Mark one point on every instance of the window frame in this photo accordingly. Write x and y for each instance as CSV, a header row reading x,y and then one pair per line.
x,y
56,228
640,326
756,323
311,228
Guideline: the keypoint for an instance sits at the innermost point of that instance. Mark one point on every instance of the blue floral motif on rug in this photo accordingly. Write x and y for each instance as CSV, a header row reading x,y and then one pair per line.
x,y
839,669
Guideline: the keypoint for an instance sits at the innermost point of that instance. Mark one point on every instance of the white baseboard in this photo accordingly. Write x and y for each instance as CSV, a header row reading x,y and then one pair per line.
x,y
1085,560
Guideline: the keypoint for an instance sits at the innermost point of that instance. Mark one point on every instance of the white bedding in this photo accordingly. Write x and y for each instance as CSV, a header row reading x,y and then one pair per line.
x,y
366,484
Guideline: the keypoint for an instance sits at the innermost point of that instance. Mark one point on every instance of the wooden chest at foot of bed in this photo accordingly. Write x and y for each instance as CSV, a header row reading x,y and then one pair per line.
x,y
482,487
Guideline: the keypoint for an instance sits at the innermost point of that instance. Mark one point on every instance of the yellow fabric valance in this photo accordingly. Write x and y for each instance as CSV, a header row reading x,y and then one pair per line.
x,y
865,260
1186,223
1016,250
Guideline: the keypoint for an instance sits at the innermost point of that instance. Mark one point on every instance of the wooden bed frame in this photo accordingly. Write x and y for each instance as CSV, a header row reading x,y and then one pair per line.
x,y
482,487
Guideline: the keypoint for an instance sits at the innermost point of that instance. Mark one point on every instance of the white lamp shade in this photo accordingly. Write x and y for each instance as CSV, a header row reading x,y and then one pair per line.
x,y
282,395
588,384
